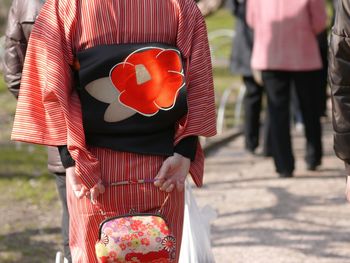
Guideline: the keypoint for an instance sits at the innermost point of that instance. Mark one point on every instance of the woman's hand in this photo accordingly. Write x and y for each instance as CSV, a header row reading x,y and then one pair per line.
x,y
80,190
77,186
173,173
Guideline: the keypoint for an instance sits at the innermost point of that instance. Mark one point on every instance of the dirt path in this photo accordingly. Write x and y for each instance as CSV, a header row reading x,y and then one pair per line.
x,y
265,219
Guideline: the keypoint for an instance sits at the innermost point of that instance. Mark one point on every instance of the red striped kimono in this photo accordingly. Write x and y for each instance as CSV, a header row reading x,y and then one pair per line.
x,y
49,110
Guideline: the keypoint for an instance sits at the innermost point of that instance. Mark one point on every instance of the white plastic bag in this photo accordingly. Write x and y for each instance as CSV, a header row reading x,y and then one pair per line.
x,y
60,258
195,246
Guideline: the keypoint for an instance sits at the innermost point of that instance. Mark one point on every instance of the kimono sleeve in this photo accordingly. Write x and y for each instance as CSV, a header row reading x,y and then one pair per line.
x,y
48,110
201,117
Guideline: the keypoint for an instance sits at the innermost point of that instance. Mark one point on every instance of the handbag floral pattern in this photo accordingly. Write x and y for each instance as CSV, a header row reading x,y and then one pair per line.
x,y
135,238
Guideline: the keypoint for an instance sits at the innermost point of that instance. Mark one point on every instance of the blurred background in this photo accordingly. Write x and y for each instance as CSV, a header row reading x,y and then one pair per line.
x,y
29,205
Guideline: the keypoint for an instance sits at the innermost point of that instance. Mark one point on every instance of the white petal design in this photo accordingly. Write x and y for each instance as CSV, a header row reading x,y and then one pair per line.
x,y
117,112
142,74
103,90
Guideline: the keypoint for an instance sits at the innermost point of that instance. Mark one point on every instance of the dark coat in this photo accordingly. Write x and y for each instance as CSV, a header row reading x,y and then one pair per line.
x,y
242,42
21,19
20,22
339,80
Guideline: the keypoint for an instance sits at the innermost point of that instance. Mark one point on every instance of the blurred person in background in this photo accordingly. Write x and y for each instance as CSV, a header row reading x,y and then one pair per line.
x,y
339,80
240,64
334,8
209,6
20,22
286,51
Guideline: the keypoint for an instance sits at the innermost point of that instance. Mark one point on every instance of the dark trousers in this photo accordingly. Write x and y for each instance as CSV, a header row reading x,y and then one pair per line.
x,y
323,73
252,108
61,187
278,85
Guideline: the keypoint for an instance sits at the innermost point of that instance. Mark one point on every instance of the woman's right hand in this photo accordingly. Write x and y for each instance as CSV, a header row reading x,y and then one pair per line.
x,y
172,173
80,190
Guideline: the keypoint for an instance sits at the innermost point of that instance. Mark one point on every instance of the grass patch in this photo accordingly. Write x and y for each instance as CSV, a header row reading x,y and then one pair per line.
x,y
24,175
223,79
18,159
35,191
221,46
2,84
222,19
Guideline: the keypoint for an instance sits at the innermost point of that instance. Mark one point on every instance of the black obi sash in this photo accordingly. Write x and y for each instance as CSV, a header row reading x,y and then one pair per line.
x,y
132,95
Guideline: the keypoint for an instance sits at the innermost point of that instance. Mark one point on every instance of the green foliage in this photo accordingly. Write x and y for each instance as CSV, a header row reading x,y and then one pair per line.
x,y
223,78
221,48
220,20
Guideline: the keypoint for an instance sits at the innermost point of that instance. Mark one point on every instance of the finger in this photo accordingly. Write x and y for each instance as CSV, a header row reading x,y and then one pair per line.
x,y
93,195
80,193
101,188
83,192
96,191
166,184
159,182
77,188
170,188
163,171
76,193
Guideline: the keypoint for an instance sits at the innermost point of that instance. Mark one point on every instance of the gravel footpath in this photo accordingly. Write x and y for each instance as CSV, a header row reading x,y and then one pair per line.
x,y
265,219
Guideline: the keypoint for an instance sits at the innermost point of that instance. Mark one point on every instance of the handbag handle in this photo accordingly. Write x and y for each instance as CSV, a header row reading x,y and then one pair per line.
x,y
129,182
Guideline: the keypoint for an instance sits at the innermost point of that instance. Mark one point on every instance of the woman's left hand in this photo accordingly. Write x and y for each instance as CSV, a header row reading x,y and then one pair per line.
x,y
80,190
173,173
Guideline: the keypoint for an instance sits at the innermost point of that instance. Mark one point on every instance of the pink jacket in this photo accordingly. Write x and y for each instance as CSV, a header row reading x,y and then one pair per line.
x,y
285,33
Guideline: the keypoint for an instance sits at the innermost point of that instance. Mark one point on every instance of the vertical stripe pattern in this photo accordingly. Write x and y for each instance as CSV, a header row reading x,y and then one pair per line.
x,y
49,110
119,200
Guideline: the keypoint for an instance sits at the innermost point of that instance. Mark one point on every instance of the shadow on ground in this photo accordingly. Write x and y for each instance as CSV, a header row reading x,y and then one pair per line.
x,y
29,246
284,225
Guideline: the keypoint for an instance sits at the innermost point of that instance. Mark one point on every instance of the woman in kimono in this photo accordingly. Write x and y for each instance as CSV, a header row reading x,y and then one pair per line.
x,y
124,88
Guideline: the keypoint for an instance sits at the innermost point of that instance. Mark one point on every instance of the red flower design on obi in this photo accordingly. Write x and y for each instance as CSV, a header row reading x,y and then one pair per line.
x,y
149,80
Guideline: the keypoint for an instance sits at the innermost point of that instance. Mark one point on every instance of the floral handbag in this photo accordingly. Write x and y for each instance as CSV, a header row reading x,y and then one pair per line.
x,y
135,238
